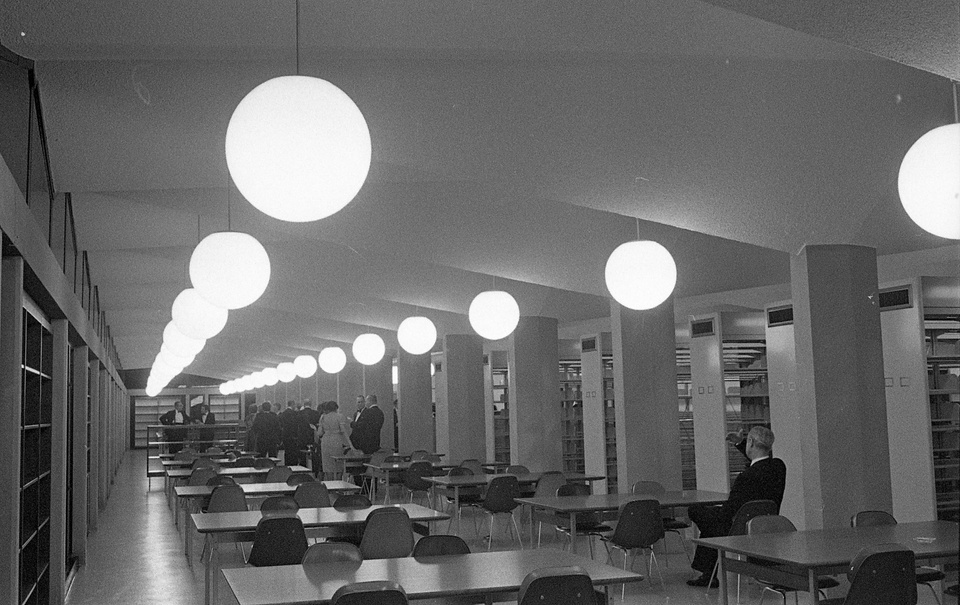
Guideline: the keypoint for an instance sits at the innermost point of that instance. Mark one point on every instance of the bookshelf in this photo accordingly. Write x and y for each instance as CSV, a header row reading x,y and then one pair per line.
x,y
501,414
942,347
688,460
610,424
746,393
571,416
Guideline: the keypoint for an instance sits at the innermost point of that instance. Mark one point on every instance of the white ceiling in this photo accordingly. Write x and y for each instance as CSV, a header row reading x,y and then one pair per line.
x,y
514,143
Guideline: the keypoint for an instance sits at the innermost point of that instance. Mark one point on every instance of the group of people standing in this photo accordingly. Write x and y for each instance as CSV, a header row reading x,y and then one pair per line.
x,y
296,428
199,414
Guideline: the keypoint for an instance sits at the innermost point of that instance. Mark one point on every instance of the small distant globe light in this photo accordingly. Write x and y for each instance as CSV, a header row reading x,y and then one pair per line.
x,y
195,317
258,380
180,344
494,314
298,148
305,366
368,349
172,359
395,375
246,383
224,388
929,181
433,369
286,372
332,360
230,269
417,335
640,274
270,376
153,390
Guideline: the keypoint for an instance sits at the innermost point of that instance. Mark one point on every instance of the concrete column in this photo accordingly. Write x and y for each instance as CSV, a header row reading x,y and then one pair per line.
x,y
93,479
534,362
709,417
58,459
594,429
103,470
414,390
377,379
11,352
846,460
81,376
645,388
460,398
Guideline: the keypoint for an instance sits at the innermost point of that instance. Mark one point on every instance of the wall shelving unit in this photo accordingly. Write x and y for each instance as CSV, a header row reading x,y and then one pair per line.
x,y
746,394
571,416
610,424
688,461
942,345
501,414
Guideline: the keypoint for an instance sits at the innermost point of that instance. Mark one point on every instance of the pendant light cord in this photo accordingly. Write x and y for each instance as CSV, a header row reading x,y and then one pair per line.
x,y
956,108
297,37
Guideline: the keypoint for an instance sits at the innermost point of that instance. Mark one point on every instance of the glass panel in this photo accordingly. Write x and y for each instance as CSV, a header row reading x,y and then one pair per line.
x,y
15,109
57,225
38,191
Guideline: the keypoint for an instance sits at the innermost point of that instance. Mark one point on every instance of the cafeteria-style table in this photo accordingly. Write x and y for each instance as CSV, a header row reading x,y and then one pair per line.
x,y
486,574
821,552
218,528
174,475
602,503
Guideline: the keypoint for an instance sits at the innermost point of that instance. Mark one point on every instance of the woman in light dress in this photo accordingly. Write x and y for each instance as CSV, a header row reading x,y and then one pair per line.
x,y
333,432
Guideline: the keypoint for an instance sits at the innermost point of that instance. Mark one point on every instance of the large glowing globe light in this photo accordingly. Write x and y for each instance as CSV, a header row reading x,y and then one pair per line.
x,y
270,376
298,148
305,366
258,380
368,349
171,358
246,383
640,274
494,314
286,372
195,317
152,390
417,335
332,360
224,388
180,344
230,269
929,181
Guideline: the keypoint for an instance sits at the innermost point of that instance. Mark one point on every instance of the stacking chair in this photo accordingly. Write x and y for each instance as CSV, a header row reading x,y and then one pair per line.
x,y
388,533
468,496
331,552
474,465
225,499
883,574
213,450
345,501
298,478
519,469
738,527
588,524
568,585
500,499
280,504
670,524
925,575
380,592
370,475
548,485
639,526
278,541
204,463
221,480
312,494
776,524
201,475
263,463
245,461
278,474
440,545
413,480
417,455
185,455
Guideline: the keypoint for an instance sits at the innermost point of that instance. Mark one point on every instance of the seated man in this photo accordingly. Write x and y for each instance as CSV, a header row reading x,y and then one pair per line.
x,y
764,479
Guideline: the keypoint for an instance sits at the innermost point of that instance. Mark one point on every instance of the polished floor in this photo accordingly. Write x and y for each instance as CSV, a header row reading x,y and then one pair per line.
x,y
136,557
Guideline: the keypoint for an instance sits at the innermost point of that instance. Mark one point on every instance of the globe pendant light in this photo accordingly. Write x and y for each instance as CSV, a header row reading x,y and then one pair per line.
x,y
494,314
180,344
258,380
417,335
270,377
153,390
246,383
640,274
305,366
197,318
368,349
172,359
224,388
929,181
298,148
332,360
286,372
230,269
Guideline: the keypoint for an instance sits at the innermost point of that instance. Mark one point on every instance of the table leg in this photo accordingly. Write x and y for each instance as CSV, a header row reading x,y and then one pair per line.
x,y
722,576
573,533
210,577
812,579
188,539
531,527
456,505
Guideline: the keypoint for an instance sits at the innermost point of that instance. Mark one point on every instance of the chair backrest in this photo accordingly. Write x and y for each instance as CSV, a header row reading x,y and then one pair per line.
x,y
460,471
345,501
205,463
278,474
770,524
567,585
884,574
263,463
872,518
439,545
278,541
639,524
221,480
279,503
393,458
379,456
473,464
549,483
200,476
246,461
380,592
580,489
312,494
653,488
419,455
518,469
331,552
749,510
213,450
388,533
185,455
501,493
298,478
227,499
413,476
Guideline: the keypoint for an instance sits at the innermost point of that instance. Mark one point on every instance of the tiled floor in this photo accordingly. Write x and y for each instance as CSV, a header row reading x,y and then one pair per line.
x,y
136,557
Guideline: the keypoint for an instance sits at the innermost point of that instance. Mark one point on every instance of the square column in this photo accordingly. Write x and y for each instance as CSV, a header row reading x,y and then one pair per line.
x,y
58,460
594,427
415,396
846,458
645,391
459,395
534,362
11,379
81,374
93,478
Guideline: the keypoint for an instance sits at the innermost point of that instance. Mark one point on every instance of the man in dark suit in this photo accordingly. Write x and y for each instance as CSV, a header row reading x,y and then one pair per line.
x,y
203,415
266,429
307,422
175,417
290,433
764,479
365,434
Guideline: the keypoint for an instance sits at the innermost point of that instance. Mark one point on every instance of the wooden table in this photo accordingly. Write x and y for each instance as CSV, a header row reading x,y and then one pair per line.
x,y
600,503
482,573
461,481
218,528
173,475
388,470
828,551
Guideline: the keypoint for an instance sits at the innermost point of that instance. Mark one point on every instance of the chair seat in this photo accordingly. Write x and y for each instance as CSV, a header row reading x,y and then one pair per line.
x,y
595,527
670,524
822,584
928,574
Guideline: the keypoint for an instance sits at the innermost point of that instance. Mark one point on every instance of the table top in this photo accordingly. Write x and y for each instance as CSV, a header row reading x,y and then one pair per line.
x,y
219,459
311,517
607,502
421,577
838,546
402,466
476,480
261,489
235,471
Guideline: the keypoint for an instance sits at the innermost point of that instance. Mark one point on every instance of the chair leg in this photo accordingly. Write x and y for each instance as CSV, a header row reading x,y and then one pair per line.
x,y
653,559
713,574
490,537
517,527
934,591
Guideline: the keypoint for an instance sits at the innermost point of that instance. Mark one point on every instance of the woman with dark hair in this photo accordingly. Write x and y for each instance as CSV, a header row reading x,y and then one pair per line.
x,y
334,435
